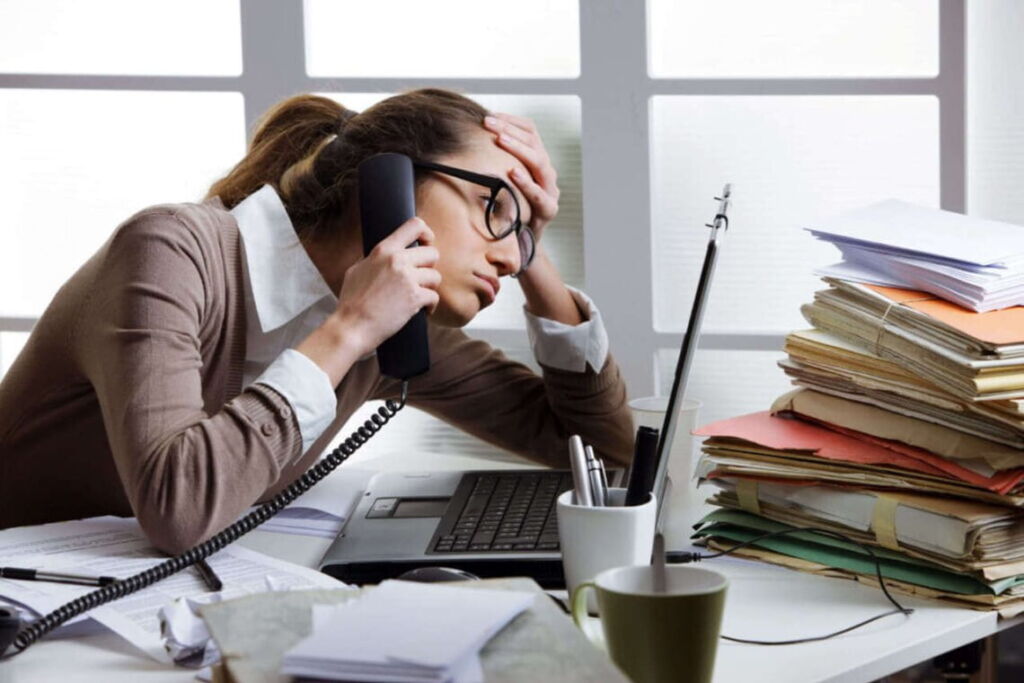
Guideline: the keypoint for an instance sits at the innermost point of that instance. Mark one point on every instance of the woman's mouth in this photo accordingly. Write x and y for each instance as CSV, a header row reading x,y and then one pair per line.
x,y
490,286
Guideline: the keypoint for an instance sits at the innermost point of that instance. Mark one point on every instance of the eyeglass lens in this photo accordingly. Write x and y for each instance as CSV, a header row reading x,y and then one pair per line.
x,y
502,215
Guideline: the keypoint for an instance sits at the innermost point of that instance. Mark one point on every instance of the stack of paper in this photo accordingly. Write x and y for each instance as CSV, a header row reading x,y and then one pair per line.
x,y
402,631
975,356
976,263
907,431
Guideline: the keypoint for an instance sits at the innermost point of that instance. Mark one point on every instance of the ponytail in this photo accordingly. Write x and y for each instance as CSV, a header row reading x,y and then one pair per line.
x,y
309,147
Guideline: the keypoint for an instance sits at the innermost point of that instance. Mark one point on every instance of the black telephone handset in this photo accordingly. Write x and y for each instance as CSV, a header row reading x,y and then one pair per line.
x,y
387,199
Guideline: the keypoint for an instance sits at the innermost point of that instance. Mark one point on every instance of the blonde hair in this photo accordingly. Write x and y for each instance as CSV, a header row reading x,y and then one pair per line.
x,y
309,147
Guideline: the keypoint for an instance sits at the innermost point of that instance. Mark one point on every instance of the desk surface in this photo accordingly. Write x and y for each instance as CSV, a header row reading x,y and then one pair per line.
x,y
763,602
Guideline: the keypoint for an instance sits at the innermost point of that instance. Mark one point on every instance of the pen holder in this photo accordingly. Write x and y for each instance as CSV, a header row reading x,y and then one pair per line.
x,y
594,539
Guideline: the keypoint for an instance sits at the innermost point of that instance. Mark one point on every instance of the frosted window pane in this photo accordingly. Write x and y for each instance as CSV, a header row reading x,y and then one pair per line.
x,y
185,37
10,346
793,38
727,383
792,160
995,110
418,432
443,38
558,120
78,163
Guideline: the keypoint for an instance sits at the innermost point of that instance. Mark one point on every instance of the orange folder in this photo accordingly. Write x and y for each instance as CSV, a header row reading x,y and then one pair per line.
x,y
834,443
1005,326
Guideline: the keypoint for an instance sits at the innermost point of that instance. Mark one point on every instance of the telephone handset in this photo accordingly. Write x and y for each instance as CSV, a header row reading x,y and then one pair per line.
x,y
387,199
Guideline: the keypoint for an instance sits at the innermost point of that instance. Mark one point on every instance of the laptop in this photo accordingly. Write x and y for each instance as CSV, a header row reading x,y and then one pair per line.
x,y
491,523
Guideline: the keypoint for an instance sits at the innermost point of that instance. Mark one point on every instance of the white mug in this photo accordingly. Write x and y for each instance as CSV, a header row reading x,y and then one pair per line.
x,y
597,538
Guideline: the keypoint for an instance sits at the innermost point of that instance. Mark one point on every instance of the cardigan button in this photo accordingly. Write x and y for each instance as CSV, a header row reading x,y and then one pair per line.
x,y
285,412
267,429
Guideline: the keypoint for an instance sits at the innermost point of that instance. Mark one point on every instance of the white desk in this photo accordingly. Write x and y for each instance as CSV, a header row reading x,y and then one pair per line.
x,y
763,602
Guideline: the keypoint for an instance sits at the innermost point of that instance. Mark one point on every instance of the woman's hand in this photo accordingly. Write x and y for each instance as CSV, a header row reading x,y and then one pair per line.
x,y
519,137
380,293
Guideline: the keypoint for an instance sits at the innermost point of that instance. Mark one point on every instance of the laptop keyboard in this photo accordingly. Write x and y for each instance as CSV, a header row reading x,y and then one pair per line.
x,y
503,512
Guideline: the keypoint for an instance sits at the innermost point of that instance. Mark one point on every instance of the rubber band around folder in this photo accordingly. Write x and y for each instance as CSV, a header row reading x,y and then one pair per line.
x,y
885,314
883,522
746,491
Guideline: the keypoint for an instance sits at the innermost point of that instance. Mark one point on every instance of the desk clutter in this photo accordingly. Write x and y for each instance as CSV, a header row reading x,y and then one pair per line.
x,y
906,431
262,632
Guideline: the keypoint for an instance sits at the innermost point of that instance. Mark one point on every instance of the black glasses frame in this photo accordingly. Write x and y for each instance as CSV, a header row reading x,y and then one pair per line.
x,y
495,185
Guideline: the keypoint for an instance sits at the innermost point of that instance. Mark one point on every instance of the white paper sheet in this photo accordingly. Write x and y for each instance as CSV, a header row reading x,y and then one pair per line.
x,y
112,546
405,631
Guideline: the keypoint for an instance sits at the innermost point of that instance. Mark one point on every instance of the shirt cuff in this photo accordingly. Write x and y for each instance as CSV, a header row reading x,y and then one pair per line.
x,y
569,347
307,389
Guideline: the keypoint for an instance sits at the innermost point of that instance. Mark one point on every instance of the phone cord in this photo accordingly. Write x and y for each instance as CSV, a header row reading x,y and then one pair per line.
x,y
303,483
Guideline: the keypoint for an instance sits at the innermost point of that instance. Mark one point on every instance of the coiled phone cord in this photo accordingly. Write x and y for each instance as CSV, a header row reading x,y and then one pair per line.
x,y
124,587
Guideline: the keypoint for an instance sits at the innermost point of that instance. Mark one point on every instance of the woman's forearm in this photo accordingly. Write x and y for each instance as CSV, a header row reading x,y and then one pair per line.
x,y
333,347
546,294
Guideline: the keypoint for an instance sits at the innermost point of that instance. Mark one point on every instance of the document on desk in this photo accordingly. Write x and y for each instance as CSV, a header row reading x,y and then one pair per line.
x,y
114,546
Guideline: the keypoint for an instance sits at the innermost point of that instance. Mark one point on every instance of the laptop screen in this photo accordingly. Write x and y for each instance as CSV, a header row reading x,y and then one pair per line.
x,y
689,347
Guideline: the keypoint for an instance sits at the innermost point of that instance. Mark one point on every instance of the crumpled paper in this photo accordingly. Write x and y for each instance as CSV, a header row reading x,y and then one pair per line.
x,y
184,632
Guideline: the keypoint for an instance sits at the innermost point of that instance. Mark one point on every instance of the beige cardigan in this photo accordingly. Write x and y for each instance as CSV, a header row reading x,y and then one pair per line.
x,y
127,397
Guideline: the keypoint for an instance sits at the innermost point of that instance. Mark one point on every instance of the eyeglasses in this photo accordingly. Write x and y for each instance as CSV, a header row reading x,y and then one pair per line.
x,y
501,213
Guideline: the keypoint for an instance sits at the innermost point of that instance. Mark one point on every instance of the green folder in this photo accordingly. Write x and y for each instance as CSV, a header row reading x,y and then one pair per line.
x,y
739,526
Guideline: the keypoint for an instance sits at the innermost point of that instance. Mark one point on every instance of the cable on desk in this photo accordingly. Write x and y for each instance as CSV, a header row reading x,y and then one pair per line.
x,y
303,483
686,557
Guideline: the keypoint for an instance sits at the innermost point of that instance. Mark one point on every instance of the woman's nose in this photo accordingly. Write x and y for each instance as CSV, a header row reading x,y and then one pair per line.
x,y
504,254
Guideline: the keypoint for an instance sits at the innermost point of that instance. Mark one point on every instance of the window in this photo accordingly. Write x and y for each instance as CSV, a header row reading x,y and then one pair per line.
x,y
808,106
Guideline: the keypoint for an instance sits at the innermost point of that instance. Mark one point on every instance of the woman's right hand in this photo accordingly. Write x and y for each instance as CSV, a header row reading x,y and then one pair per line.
x,y
379,294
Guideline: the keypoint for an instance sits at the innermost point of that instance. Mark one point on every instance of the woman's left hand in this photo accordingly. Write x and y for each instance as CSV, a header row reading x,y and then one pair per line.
x,y
518,136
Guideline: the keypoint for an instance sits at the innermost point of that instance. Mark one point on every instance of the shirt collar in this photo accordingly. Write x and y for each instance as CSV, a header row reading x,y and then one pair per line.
x,y
283,279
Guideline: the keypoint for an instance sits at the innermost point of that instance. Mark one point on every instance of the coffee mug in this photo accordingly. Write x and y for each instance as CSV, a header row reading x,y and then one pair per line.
x,y
653,637
597,538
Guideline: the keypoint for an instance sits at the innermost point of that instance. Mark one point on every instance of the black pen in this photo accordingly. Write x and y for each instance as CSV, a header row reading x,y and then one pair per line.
x,y
54,577
644,468
213,581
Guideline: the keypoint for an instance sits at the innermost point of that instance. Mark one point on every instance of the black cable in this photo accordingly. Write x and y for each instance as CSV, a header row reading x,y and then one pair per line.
x,y
303,483
685,557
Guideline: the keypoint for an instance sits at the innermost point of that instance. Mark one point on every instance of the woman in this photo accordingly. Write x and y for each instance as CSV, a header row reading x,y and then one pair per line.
x,y
207,353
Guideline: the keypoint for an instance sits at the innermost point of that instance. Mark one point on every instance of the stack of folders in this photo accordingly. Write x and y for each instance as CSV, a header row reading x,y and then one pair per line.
x,y
906,433
402,631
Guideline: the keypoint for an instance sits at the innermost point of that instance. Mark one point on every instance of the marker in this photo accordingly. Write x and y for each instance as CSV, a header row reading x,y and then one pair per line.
x,y
645,466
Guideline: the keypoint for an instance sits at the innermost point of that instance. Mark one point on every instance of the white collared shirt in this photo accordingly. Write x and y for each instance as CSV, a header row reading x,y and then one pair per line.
x,y
286,299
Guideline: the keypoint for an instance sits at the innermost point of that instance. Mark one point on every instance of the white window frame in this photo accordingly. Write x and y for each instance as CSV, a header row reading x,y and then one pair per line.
x,y
615,91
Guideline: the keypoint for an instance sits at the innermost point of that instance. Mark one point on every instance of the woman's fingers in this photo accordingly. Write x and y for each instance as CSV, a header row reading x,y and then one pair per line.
x,y
545,205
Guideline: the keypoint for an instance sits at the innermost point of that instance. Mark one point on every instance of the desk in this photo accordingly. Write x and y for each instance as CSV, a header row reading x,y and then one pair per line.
x,y
763,601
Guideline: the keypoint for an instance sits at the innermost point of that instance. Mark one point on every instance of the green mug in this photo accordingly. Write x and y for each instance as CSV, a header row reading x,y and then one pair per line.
x,y
669,636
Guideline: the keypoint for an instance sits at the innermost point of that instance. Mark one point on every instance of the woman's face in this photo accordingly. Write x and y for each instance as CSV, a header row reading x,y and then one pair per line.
x,y
471,261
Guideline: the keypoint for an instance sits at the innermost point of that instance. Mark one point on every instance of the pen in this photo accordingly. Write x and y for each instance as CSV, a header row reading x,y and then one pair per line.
x,y
604,479
580,476
645,466
211,579
594,470
54,577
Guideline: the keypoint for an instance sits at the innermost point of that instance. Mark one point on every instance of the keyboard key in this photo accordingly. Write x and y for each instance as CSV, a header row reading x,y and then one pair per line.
x,y
523,546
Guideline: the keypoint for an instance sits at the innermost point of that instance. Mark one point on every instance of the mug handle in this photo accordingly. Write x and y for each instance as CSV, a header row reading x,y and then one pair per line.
x,y
579,604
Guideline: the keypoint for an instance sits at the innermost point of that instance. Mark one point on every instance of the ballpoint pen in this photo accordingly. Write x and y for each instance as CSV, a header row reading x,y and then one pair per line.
x,y
594,471
54,577
580,476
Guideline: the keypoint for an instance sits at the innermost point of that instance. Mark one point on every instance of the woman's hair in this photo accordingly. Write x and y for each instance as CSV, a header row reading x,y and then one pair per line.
x,y
308,148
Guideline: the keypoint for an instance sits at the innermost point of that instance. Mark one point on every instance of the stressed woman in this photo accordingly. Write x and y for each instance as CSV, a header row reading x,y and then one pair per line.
x,y
207,353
